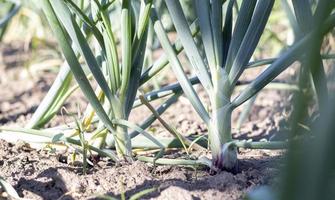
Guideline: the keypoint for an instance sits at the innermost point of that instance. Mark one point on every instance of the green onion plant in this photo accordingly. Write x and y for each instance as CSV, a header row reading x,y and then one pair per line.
x,y
118,80
228,49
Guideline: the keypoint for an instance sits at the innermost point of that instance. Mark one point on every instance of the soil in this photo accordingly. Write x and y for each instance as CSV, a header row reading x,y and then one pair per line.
x,y
41,174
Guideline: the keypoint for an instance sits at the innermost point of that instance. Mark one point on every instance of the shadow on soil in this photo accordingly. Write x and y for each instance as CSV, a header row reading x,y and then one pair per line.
x,y
52,186
223,181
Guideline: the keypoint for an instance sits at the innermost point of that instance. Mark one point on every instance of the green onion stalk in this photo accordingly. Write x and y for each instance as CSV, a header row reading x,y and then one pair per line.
x,y
219,127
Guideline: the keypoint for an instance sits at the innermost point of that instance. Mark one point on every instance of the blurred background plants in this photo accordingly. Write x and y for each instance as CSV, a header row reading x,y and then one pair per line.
x,y
309,169
23,28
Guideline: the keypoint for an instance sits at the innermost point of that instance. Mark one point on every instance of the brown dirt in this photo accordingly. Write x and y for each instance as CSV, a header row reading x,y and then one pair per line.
x,y
44,175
